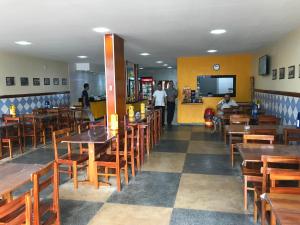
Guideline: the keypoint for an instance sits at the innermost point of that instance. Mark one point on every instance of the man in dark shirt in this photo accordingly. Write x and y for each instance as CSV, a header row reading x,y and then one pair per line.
x,y
86,102
171,97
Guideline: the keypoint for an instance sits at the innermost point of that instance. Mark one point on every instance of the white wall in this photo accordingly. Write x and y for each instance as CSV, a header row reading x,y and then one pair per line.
x,y
284,53
14,65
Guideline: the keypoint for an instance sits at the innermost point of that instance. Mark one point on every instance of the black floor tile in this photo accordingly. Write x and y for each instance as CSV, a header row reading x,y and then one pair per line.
x,y
175,146
209,164
206,136
149,188
78,212
195,217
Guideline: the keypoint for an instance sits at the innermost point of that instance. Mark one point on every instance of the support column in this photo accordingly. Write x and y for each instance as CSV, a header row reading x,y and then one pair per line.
x,y
115,77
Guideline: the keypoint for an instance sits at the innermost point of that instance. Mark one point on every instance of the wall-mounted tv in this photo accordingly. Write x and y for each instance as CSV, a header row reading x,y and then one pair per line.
x,y
216,86
264,65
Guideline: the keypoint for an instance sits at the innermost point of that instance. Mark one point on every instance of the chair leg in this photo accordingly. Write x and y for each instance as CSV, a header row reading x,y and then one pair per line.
x,y
245,193
118,179
255,208
232,155
75,178
132,160
126,173
106,174
263,212
273,219
10,149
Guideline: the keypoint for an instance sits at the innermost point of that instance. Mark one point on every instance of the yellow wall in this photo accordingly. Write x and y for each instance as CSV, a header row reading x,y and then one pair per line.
x,y
188,68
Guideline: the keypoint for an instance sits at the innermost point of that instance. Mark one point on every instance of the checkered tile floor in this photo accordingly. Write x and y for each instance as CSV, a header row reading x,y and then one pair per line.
x,y
188,180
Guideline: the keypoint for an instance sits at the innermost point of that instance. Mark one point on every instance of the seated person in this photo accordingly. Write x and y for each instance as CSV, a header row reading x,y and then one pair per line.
x,y
225,103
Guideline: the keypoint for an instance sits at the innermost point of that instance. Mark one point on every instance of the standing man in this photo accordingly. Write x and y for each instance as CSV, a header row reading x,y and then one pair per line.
x,y
159,101
171,97
86,102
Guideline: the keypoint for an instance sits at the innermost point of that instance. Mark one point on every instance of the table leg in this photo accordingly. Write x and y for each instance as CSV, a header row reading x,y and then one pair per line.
x,y
93,177
142,137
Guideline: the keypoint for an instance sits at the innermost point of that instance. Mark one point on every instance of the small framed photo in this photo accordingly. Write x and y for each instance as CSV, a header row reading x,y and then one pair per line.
x,y
56,81
291,72
64,81
281,73
274,74
36,81
24,81
10,81
46,81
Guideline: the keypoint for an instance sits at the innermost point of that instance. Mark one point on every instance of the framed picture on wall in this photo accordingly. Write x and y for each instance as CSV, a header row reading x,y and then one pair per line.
x,y
64,81
274,74
46,81
281,73
24,81
10,81
56,81
291,72
36,81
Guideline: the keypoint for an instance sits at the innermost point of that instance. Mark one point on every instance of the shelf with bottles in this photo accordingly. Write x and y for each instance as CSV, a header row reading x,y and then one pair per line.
x,y
191,96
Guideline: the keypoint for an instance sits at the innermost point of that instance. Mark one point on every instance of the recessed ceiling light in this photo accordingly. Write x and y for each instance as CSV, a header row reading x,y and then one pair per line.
x,y
212,51
170,67
141,68
165,65
159,62
82,56
218,31
24,43
144,53
101,29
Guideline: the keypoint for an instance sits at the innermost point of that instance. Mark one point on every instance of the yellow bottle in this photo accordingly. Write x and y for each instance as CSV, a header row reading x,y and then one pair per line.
x,y
143,108
131,111
12,110
114,122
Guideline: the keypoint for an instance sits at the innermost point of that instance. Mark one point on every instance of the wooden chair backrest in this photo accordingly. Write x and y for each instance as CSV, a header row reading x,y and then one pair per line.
x,y
57,137
41,180
284,175
291,135
267,119
239,119
279,163
258,138
9,119
13,212
39,111
29,121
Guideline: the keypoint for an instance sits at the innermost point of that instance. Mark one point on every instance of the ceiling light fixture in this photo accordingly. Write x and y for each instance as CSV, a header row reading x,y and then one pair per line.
x,y
101,29
212,51
170,67
144,53
141,68
24,43
165,65
82,56
159,62
218,31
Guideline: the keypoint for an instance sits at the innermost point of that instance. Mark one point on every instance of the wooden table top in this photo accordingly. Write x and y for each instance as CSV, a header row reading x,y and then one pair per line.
x,y
239,129
97,135
253,152
46,116
286,207
3,125
14,175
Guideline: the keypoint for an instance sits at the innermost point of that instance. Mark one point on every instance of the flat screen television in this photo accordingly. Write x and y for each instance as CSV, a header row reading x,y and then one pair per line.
x,y
216,86
264,65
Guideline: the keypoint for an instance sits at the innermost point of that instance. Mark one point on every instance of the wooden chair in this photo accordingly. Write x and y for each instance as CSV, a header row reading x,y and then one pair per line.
x,y
251,172
17,211
74,161
268,120
13,132
279,165
113,162
65,119
33,129
5,143
157,125
291,135
239,119
45,212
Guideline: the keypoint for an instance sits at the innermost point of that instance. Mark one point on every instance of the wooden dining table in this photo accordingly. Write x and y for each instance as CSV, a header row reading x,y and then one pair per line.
x,y
253,152
96,135
14,175
285,207
236,129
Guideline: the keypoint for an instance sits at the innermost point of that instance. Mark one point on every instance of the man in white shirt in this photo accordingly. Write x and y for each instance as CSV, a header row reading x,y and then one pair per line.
x,y
159,101
226,103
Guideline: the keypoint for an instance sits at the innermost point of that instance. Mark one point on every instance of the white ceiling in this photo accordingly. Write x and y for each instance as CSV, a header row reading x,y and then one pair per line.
x,y
62,29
